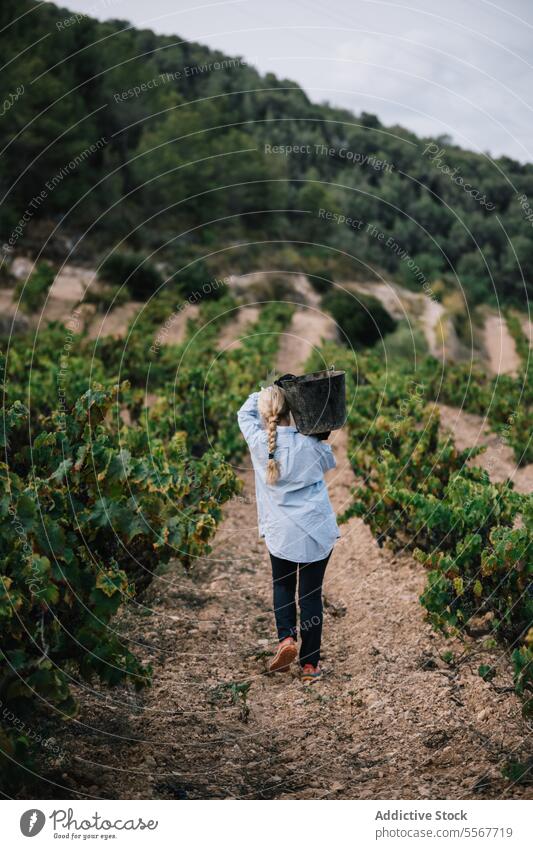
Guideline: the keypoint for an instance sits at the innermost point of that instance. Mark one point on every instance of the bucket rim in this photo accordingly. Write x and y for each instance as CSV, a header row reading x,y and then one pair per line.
x,y
314,375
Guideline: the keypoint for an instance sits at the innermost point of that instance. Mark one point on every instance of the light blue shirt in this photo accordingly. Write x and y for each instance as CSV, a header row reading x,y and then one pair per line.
x,y
295,515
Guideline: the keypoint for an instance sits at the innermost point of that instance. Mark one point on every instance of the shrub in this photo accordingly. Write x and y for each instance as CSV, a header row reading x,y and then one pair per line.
x,y
424,268
197,281
107,297
321,281
133,270
361,318
273,287
33,291
406,343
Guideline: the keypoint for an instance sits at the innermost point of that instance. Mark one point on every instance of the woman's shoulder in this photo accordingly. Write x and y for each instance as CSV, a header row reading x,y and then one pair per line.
x,y
311,444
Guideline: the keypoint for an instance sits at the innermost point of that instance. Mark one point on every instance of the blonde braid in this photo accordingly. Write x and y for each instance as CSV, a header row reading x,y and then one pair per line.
x,y
272,405
272,469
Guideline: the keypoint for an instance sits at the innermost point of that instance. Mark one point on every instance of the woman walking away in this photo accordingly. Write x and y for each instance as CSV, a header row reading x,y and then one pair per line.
x,y
295,518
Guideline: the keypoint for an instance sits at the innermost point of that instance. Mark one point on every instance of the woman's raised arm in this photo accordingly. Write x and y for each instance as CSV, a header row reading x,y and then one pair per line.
x,y
249,418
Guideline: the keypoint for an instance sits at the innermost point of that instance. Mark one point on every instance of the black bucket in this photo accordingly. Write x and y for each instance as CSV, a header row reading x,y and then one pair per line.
x,y
317,401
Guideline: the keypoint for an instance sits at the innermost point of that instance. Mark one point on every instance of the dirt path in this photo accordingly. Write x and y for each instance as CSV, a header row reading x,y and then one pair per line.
x,y
232,331
500,346
498,459
115,322
389,719
308,328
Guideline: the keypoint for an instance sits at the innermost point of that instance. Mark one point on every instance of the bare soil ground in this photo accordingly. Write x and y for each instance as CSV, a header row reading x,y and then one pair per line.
x,y
500,346
498,459
230,335
390,719
115,322
309,327
65,294
173,332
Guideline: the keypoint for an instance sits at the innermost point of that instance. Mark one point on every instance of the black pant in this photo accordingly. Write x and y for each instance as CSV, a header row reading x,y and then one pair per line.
x,y
311,575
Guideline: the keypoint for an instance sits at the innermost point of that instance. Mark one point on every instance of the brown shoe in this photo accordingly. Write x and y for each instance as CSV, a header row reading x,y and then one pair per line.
x,y
286,653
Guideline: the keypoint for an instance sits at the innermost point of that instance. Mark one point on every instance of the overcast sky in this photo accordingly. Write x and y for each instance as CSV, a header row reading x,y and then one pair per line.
x,y
462,67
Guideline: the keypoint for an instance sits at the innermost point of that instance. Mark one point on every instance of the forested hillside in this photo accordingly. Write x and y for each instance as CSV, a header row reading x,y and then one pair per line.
x,y
168,126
